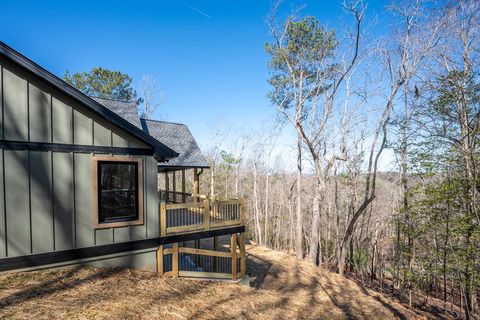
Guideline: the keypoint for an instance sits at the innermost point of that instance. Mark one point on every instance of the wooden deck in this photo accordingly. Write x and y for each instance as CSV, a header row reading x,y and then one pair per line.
x,y
203,215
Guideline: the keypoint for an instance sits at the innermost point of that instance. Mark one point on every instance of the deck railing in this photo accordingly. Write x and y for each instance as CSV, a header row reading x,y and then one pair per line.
x,y
201,215
179,261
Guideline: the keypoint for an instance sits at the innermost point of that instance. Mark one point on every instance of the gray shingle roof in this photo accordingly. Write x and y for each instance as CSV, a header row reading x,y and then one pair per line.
x,y
126,110
178,137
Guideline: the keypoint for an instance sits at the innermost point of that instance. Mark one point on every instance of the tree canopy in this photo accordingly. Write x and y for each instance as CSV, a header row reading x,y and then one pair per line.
x,y
103,83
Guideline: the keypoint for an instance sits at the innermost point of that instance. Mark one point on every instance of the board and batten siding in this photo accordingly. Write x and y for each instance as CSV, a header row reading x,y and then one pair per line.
x,y
46,197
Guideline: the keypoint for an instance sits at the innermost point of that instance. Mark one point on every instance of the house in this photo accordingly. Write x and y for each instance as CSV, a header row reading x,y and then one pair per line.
x,y
85,181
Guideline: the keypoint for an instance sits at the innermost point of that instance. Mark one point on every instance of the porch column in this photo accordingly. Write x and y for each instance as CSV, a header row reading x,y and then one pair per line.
x,y
174,186
167,186
196,186
184,198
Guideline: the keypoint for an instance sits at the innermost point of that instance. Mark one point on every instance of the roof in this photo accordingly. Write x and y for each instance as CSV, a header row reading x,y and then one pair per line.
x,y
127,110
178,137
161,150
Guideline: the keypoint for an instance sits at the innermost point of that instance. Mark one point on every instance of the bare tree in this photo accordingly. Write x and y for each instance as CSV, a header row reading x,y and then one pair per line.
x,y
152,96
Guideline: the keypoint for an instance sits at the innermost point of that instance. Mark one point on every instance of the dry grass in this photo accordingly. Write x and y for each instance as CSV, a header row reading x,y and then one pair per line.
x,y
284,289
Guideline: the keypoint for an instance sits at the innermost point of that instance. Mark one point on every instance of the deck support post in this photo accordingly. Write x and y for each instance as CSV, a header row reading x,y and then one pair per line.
x,y
242,211
160,261
163,219
184,198
215,248
174,186
243,256
233,248
196,186
175,260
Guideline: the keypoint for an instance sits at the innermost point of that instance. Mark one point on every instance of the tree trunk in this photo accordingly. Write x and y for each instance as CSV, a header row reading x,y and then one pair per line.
x,y
258,231
299,213
267,200
315,236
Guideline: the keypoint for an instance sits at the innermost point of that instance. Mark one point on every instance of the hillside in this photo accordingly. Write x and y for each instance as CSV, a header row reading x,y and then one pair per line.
x,y
283,288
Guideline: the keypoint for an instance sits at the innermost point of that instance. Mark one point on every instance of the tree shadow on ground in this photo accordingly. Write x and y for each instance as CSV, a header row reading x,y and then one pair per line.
x,y
258,269
63,281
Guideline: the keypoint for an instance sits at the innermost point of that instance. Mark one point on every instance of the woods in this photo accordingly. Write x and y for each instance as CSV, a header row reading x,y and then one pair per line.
x,y
347,99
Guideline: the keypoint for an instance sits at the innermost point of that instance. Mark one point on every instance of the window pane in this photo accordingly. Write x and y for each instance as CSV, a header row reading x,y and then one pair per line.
x,y
118,192
118,176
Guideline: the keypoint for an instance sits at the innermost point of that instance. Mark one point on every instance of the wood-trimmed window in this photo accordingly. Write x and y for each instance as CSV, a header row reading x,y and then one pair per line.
x,y
117,192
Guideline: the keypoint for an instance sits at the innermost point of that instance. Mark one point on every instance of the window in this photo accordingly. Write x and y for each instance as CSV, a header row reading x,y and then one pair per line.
x,y
117,192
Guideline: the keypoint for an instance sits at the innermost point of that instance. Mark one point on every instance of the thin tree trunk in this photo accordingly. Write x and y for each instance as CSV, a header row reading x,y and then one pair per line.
x,y
299,213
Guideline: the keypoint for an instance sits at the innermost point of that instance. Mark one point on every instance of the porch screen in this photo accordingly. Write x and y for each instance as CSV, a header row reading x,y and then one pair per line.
x,y
117,191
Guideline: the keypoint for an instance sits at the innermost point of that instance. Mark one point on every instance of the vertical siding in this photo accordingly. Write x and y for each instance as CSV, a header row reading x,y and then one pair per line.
x,y
82,129
103,236
41,201
140,232
39,104
121,234
63,200
14,106
101,135
151,209
83,200
46,197
118,141
1,102
3,244
16,203
62,122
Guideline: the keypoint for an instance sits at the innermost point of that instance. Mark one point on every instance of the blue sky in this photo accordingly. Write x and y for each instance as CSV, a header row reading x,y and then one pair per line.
x,y
207,55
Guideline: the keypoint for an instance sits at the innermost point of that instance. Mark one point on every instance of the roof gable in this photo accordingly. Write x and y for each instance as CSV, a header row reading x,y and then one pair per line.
x,y
161,150
178,137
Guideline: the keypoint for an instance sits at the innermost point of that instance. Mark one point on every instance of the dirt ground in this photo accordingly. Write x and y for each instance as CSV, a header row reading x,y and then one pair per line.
x,y
282,288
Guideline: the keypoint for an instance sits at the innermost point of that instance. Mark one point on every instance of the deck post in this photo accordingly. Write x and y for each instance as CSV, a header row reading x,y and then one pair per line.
x,y
184,198
206,214
243,256
233,249
215,248
163,219
196,186
167,187
160,261
175,260
174,186
242,211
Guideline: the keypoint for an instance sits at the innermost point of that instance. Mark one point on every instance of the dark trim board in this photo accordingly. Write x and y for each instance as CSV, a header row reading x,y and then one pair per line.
x,y
165,168
36,260
59,147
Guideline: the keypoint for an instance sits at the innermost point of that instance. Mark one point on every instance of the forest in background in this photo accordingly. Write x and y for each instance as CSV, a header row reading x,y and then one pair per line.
x,y
345,96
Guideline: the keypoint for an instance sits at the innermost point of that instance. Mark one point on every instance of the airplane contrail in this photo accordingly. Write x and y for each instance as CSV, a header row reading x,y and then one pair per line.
x,y
197,10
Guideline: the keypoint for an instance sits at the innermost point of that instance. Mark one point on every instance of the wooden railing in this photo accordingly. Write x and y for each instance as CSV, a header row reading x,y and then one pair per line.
x,y
179,261
201,215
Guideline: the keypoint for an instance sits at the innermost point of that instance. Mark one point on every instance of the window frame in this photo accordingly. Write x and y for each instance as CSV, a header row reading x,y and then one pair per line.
x,y
96,192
